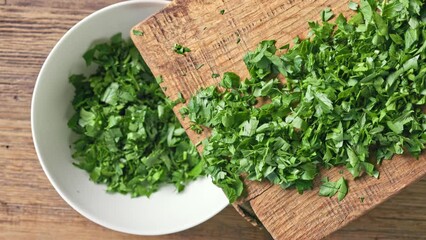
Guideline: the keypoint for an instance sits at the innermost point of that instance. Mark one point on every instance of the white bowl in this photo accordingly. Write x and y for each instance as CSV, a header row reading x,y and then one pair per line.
x,y
165,211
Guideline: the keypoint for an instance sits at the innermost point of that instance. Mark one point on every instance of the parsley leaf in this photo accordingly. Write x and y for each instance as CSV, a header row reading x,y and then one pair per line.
x,y
230,80
179,49
329,189
137,32
215,75
326,14
353,6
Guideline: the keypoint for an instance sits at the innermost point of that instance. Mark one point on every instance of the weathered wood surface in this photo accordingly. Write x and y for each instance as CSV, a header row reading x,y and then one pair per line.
x,y
29,206
219,41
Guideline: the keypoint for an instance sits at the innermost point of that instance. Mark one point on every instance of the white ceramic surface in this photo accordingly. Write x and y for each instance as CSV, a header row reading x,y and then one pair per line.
x,y
165,211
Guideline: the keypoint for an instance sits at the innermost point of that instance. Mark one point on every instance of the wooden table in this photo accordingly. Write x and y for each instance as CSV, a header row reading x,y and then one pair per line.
x,y
29,206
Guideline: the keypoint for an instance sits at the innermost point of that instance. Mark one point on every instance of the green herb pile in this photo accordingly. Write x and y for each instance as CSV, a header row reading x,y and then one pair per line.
x,y
179,49
129,137
353,96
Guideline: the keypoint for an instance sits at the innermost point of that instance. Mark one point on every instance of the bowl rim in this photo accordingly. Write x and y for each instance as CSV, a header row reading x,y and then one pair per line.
x,y
36,144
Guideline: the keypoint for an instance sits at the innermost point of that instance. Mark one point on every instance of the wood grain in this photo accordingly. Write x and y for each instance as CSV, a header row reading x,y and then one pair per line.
x,y
401,217
219,41
315,217
29,206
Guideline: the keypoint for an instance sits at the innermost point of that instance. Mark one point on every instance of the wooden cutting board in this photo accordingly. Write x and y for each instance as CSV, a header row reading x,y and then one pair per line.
x,y
219,42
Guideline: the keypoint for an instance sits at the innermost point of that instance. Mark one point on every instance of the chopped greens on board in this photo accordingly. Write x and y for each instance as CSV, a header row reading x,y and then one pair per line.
x,y
353,96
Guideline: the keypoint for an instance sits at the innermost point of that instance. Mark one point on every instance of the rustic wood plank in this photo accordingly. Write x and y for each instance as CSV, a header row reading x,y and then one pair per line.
x,y
212,38
64,223
401,217
316,217
31,209
29,206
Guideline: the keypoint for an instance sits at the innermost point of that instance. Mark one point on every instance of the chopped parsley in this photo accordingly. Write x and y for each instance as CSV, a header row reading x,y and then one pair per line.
x,y
159,79
329,189
215,75
326,14
179,49
128,135
353,6
137,32
353,96
222,11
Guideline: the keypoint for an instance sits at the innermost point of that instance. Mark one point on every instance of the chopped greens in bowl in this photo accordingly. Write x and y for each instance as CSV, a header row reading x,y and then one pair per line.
x,y
129,137
165,211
